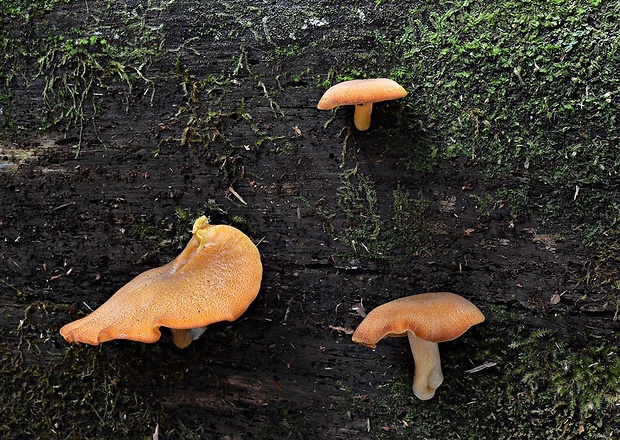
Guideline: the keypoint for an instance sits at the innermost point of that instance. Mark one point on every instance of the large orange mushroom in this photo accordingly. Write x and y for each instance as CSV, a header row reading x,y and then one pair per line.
x,y
426,319
361,93
215,278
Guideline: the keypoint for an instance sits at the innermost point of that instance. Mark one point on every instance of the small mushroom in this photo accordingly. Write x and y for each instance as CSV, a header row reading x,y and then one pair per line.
x,y
426,319
215,278
361,93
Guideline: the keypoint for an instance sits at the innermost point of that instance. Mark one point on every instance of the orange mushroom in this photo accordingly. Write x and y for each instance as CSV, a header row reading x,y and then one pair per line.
x,y
361,93
215,278
426,319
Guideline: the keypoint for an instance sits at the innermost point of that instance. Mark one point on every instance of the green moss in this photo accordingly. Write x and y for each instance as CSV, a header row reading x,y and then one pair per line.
x,y
27,10
209,112
522,87
292,50
78,64
603,273
47,391
405,233
286,424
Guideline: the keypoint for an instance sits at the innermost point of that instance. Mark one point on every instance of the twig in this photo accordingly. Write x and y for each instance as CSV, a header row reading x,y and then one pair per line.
x,y
62,206
482,367
234,193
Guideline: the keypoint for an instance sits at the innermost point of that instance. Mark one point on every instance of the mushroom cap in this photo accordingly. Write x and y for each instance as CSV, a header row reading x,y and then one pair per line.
x,y
361,91
433,317
215,278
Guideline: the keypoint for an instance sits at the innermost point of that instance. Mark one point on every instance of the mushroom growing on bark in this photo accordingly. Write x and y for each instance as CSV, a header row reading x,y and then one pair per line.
x,y
215,278
361,93
426,319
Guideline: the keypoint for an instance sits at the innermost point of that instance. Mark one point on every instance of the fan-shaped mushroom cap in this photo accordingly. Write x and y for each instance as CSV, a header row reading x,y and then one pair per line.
x,y
215,278
361,93
433,317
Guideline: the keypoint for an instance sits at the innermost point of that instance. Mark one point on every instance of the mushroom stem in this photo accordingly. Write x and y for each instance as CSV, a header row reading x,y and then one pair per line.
x,y
361,116
182,338
428,375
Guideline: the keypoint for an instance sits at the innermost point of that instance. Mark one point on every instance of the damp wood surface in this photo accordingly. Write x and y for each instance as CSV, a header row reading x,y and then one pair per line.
x,y
132,119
